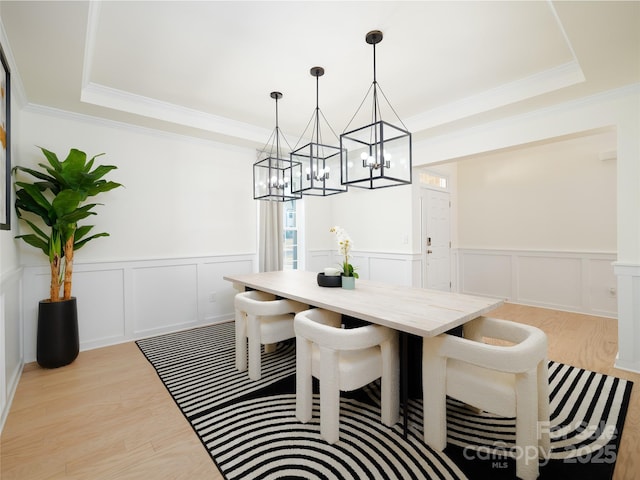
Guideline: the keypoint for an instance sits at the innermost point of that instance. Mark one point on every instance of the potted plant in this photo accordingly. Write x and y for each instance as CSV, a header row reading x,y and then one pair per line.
x,y
349,273
52,205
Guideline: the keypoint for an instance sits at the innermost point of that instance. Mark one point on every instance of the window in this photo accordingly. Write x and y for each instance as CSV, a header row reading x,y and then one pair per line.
x,y
292,214
434,180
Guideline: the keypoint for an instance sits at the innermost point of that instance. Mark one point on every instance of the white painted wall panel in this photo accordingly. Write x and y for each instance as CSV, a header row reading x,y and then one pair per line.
x,y
360,262
3,360
486,273
100,299
11,336
36,288
389,270
571,281
559,196
602,288
549,280
183,197
316,261
123,301
376,220
393,268
165,296
628,276
211,282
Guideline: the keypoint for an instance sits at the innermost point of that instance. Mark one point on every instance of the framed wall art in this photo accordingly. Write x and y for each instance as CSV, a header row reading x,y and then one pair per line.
x,y
5,141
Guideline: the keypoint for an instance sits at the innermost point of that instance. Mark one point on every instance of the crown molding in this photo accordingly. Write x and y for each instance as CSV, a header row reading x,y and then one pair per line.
x,y
540,83
108,123
148,107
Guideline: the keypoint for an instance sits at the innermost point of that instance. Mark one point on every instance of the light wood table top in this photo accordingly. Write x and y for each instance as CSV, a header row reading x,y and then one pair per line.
x,y
419,311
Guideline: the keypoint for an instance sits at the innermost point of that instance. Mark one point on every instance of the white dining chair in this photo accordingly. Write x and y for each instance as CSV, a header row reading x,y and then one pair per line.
x,y
343,359
261,319
508,378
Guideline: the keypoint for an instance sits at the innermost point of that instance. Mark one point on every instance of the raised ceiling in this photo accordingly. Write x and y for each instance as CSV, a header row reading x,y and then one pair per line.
x,y
206,68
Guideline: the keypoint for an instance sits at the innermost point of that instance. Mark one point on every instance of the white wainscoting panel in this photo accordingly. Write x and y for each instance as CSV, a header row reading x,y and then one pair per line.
x,y
216,293
602,290
165,297
390,270
572,281
124,301
11,335
455,270
100,299
3,373
394,268
628,276
317,260
552,281
360,262
485,273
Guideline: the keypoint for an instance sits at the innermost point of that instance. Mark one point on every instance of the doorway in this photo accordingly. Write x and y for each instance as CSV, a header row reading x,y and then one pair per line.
x,y
436,238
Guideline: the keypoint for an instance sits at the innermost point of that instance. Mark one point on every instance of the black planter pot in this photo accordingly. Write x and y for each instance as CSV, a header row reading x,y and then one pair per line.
x,y
58,341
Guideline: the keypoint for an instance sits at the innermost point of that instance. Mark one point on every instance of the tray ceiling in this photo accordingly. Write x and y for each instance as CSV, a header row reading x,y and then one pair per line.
x,y
207,68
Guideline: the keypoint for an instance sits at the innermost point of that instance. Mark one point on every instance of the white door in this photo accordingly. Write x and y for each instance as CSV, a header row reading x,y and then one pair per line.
x,y
436,239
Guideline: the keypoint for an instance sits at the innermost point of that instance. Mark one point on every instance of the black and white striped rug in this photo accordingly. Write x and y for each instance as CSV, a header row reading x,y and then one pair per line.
x,y
251,431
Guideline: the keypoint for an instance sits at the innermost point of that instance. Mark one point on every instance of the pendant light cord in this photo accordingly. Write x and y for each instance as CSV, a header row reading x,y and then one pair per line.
x,y
376,105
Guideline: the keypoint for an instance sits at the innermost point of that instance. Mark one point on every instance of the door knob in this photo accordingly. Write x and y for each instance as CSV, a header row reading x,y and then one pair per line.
x,y
429,251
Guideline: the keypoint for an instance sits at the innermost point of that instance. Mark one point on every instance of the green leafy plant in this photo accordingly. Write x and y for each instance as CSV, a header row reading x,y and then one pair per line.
x,y
57,198
344,247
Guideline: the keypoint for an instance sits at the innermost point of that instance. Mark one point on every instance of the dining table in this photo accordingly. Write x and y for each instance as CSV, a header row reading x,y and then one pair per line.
x,y
410,310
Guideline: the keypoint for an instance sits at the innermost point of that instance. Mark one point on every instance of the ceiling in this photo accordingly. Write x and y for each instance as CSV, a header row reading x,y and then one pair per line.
x,y
206,69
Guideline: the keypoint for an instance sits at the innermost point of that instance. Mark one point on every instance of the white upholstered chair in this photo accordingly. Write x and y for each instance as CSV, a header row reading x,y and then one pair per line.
x,y
261,319
343,360
507,379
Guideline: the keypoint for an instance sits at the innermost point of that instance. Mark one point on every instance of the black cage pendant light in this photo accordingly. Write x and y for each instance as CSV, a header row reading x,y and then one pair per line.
x,y
377,155
273,174
320,173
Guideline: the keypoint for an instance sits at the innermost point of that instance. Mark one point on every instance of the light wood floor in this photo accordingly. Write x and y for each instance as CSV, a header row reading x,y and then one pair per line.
x,y
108,416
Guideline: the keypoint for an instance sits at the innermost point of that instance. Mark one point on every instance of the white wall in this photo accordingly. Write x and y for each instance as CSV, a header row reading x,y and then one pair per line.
x,y
181,198
377,220
558,196
318,221
185,218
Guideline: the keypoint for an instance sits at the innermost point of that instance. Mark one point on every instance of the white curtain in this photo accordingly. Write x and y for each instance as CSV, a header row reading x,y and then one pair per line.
x,y
270,236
